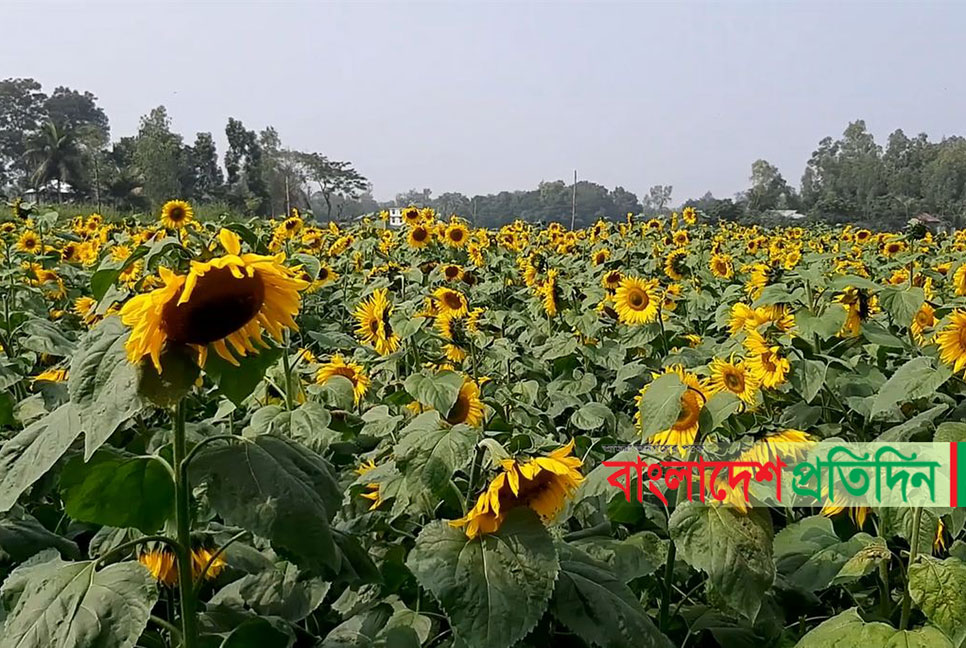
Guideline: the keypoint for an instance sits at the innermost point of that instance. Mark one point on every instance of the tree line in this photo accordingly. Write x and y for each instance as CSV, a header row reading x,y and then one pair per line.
x,y
58,146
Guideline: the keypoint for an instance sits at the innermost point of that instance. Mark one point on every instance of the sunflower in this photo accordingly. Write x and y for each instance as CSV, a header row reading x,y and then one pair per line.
x,y
162,565
456,235
952,341
637,301
858,306
863,236
29,242
959,280
337,366
600,256
681,238
451,301
892,248
52,375
548,293
542,484
205,561
326,275
231,299
176,214
787,445
373,327
69,253
410,215
690,215
418,237
722,266
611,280
726,376
925,318
857,513
451,272
685,428
765,362
761,275
675,265
468,408
86,308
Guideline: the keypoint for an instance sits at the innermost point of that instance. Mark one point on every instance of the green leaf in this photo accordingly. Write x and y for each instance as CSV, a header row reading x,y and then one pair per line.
x,y
238,383
33,451
592,416
879,335
339,392
734,550
179,371
721,406
810,555
283,592
439,391
839,284
824,326
105,276
863,562
44,336
661,404
948,431
277,489
117,489
70,605
493,588
902,303
434,452
899,521
596,605
22,536
259,632
848,629
103,385
917,378
808,378
937,587
635,556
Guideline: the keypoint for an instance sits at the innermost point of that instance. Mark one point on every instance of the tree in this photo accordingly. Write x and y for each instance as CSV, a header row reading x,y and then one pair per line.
x,y
22,114
79,112
208,179
158,155
657,199
335,179
768,188
243,164
56,158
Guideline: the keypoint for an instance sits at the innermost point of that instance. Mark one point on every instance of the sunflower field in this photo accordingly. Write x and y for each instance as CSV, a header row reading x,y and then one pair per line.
x,y
253,433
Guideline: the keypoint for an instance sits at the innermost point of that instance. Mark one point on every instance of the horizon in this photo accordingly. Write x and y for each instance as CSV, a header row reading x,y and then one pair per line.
x,y
375,91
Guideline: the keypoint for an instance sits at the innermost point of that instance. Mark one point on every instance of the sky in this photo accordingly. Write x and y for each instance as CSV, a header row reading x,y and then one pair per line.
x,y
485,97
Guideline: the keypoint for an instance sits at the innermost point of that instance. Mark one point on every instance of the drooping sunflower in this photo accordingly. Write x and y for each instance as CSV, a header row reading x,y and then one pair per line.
x,y
722,266
162,565
85,308
548,293
637,301
925,318
959,280
468,408
611,280
176,214
728,376
456,235
451,301
52,375
337,366
952,341
858,306
326,275
542,484
857,513
230,300
373,327
675,265
600,256
765,361
29,242
685,428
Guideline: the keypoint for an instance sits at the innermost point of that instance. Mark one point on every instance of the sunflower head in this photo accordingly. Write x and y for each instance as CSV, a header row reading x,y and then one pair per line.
x,y
373,327
451,301
468,408
684,430
176,214
727,376
676,264
637,301
354,372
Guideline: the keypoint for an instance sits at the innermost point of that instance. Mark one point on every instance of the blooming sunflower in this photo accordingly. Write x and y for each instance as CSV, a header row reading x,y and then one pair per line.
x,y
468,408
451,301
29,242
542,484
600,256
765,362
52,375
727,376
675,265
637,301
925,318
326,275
419,236
337,366
456,235
892,248
952,341
176,214
231,299
86,308
722,266
451,272
685,428
373,327
611,280
163,564
548,293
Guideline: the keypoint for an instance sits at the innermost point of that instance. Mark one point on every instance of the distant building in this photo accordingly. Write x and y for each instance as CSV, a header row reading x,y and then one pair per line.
x,y
787,214
934,224
395,216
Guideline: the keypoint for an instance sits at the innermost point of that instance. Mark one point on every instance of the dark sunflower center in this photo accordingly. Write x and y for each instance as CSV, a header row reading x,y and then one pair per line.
x,y
460,410
452,301
220,305
451,272
733,381
456,235
176,214
323,274
690,409
637,299
419,234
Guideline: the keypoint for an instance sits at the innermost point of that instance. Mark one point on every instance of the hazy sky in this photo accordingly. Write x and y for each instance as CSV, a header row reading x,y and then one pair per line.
x,y
483,97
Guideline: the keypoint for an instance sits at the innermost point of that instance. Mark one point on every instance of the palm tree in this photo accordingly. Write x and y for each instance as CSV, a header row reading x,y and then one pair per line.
x,y
57,156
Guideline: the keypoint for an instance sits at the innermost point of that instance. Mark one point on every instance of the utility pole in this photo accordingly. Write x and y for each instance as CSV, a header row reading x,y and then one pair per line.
x,y
573,203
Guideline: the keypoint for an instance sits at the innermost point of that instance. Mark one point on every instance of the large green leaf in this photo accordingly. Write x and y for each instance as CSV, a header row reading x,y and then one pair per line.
x,y
282,592
103,385
432,452
734,550
22,536
902,303
44,336
437,390
637,555
917,378
238,383
661,404
810,555
277,489
71,605
595,604
938,587
592,416
848,630
259,632
493,588
116,489
33,451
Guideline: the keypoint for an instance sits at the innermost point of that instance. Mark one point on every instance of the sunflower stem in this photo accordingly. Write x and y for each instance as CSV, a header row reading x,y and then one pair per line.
x,y
913,551
189,621
287,368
